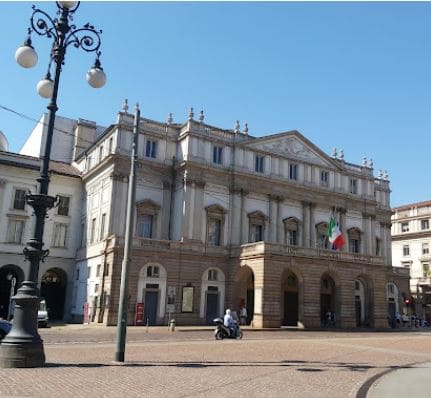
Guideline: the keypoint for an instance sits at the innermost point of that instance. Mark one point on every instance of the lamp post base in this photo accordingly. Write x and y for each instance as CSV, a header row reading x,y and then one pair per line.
x,y
23,347
22,355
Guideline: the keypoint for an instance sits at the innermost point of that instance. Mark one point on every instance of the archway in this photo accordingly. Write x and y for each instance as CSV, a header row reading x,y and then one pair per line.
x,y
393,305
327,300
11,277
152,292
53,290
244,294
290,298
212,294
364,312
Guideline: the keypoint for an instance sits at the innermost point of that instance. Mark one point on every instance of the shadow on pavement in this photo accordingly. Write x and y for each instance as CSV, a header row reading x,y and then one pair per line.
x,y
302,366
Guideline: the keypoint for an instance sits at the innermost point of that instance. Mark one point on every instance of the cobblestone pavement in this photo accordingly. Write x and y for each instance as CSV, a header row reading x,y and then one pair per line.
x,y
189,363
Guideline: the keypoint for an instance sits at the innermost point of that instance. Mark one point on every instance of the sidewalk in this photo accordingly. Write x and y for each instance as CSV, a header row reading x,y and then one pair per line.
x,y
407,381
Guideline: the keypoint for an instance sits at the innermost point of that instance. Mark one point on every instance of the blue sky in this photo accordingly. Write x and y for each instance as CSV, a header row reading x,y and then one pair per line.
x,y
355,76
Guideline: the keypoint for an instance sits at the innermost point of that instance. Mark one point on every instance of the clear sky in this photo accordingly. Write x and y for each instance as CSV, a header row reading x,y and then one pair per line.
x,y
355,76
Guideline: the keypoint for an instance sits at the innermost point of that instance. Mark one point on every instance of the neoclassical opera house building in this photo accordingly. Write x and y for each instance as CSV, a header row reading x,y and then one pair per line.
x,y
223,218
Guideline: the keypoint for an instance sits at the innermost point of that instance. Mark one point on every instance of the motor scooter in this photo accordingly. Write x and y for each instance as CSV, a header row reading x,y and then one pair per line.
x,y
223,332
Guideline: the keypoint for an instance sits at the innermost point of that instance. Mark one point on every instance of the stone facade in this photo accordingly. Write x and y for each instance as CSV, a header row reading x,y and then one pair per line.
x,y
411,241
223,219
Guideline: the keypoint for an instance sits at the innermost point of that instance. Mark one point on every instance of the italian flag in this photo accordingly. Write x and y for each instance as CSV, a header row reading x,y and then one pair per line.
x,y
334,234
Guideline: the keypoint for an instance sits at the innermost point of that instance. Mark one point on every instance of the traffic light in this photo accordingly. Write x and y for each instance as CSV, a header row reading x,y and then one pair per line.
x,y
407,301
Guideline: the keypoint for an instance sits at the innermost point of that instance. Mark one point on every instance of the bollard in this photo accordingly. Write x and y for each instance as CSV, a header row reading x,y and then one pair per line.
x,y
172,325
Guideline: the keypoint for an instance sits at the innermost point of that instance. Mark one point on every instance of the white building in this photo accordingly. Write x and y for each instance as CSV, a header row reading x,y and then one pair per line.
x,y
411,241
221,219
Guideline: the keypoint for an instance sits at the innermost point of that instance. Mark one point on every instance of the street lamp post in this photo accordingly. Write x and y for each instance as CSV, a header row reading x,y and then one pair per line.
x,y
23,347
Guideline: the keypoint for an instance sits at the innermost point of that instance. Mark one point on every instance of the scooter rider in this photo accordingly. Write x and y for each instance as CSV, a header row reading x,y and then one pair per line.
x,y
229,322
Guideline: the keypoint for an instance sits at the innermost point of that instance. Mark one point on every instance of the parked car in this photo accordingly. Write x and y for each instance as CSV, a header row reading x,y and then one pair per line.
x,y
42,315
5,328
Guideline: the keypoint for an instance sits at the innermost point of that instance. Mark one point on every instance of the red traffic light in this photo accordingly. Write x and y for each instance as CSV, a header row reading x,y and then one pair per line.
x,y
407,301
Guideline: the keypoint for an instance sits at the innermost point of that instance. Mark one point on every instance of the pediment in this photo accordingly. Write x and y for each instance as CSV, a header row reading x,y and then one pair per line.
x,y
292,145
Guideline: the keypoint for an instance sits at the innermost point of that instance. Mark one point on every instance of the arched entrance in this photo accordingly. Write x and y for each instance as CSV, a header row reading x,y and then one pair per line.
x,y
327,299
53,290
393,305
152,292
290,292
244,293
212,294
11,278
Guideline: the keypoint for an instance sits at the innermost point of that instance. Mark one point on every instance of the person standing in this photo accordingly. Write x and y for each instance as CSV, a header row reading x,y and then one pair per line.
x,y
243,315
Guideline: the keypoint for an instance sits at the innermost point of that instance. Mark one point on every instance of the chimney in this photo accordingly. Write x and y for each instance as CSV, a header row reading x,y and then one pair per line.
x,y
85,135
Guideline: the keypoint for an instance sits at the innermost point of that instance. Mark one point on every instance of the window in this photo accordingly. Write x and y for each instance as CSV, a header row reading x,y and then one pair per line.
x,y
322,239
354,245
324,178
151,149
83,237
60,235
354,240
215,224
153,271
15,231
63,205
425,248
405,227
19,199
145,226
218,155
214,232
292,237
256,232
77,274
100,153
212,275
378,247
406,250
259,164
291,226
98,269
93,230
293,171
102,226
425,224
146,220
426,270
110,145
353,186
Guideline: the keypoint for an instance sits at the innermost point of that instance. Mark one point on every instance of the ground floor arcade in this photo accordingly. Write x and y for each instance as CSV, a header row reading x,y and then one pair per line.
x,y
277,289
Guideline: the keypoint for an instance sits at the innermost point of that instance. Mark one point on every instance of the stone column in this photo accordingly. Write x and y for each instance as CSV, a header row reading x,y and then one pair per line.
x,y
273,218
342,211
235,213
306,224
186,210
388,244
165,210
244,219
313,239
279,222
2,189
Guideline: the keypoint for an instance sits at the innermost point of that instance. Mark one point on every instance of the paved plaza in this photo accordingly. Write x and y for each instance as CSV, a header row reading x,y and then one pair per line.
x,y
190,363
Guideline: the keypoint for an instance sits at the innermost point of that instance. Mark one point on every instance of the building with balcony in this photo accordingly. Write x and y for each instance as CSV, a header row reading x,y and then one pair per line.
x,y
411,241
223,218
